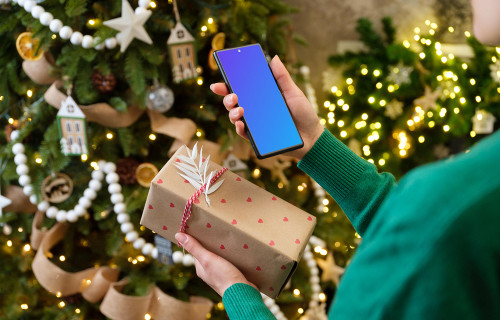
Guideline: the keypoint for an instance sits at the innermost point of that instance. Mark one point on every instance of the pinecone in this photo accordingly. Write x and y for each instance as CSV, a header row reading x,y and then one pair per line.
x,y
102,83
125,168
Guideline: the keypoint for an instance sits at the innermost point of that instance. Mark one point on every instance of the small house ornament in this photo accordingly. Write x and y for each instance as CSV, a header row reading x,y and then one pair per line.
x,y
235,165
482,122
182,49
72,128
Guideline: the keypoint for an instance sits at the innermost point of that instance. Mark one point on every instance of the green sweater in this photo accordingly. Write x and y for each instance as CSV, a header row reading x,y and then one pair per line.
x,y
431,243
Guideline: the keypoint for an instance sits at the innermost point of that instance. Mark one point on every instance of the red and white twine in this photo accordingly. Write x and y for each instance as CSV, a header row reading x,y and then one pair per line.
x,y
189,203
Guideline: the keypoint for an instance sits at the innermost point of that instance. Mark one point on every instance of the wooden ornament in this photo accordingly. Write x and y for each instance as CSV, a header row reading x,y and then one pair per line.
x,y
57,188
182,48
72,128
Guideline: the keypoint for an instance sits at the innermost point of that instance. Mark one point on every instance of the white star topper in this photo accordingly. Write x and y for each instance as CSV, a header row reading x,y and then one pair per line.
x,y
130,25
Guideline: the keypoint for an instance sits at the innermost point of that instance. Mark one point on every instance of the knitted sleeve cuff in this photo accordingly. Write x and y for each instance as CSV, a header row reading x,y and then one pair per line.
x,y
333,165
243,302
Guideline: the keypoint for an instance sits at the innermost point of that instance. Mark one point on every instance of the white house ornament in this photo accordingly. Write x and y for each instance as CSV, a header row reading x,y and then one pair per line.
x,y
72,128
235,165
482,122
182,48
160,98
130,25
57,188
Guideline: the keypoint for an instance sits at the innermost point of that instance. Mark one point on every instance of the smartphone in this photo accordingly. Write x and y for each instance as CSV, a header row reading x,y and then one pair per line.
x,y
267,118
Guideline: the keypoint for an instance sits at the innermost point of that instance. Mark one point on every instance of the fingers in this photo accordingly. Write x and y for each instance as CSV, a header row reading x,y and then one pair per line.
x,y
235,114
284,79
230,101
240,129
219,88
193,247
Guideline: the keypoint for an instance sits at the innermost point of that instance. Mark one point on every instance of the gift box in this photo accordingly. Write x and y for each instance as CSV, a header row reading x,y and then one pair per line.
x,y
261,234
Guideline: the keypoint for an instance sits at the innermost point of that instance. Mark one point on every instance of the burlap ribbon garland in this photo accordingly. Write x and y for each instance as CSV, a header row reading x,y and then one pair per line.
x,y
99,283
102,113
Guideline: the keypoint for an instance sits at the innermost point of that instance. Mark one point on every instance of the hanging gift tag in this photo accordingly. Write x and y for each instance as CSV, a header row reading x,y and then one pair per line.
x,y
164,247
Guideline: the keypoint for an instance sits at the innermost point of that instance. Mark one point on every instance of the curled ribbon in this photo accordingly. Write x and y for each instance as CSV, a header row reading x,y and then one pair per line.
x,y
189,204
99,283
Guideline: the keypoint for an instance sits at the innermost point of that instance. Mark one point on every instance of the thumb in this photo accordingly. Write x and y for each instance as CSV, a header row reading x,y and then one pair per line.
x,y
282,76
193,247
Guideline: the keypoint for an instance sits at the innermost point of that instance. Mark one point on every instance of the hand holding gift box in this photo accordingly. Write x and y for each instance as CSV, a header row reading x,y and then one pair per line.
x,y
262,235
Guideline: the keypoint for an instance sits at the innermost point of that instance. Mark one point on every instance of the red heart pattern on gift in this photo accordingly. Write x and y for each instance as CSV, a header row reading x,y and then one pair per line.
x,y
177,160
235,221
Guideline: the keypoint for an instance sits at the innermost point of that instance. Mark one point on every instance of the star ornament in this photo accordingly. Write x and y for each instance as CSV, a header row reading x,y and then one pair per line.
x,y
3,203
428,100
331,271
130,25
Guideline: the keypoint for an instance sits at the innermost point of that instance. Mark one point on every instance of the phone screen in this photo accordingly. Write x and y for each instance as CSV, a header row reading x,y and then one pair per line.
x,y
269,123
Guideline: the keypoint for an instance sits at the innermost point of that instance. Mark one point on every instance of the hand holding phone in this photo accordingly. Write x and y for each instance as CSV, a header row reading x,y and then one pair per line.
x,y
303,113
268,122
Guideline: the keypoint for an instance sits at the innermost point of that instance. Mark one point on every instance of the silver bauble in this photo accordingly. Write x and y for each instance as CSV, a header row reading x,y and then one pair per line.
x,y
160,98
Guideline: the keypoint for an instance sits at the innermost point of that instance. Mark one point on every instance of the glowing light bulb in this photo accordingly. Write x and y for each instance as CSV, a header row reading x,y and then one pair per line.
x,y
204,28
152,137
109,135
406,44
210,20
27,247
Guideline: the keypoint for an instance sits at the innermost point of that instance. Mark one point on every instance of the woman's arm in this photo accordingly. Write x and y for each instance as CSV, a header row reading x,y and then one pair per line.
x,y
352,181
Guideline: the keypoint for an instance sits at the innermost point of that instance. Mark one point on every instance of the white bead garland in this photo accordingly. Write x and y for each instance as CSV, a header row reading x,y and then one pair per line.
x,y
66,32
127,228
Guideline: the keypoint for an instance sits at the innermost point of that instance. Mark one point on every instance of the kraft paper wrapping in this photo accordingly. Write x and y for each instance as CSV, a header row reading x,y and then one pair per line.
x,y
97,283
262,235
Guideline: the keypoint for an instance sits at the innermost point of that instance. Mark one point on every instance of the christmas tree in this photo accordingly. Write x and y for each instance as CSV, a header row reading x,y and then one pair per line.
x,y
140,79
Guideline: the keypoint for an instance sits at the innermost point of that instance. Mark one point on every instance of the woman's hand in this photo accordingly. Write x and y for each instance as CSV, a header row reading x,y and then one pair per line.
x,y
216,271
303,114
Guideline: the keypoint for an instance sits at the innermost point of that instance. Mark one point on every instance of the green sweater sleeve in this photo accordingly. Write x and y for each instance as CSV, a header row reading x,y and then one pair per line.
x,y
352,181
244,302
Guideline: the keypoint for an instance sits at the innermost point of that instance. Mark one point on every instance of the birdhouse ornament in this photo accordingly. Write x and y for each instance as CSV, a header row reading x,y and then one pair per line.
x,y
483,122
182,48
72,128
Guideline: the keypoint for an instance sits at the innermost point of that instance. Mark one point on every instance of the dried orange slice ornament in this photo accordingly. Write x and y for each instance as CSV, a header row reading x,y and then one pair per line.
x,y
27,47
145,173
218,41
